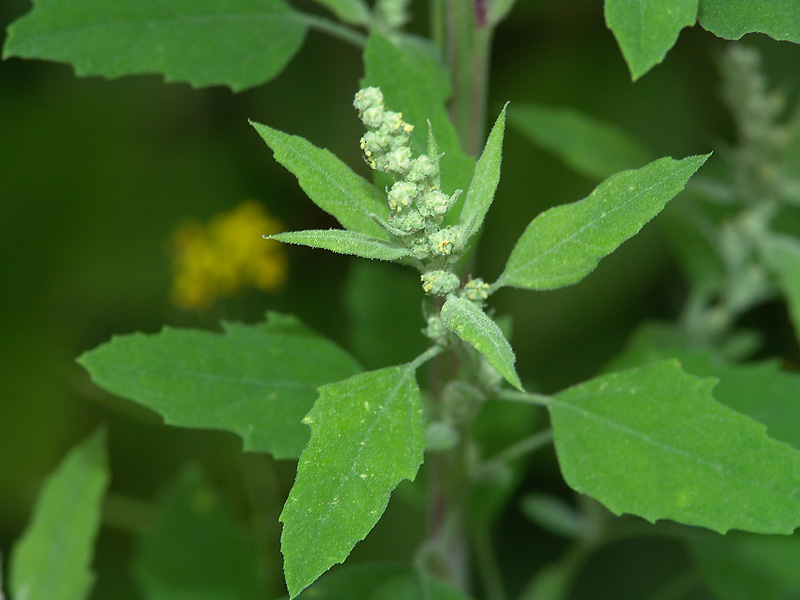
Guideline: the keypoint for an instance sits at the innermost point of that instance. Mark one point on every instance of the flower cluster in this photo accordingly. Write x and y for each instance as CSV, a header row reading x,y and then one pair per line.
x,y
417,205
219,259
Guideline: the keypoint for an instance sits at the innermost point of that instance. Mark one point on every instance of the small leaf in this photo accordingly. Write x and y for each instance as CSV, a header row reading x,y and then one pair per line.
x,y
255,381
782,256
52,558
355,12
653,442
366,436
645,31
195,528
731,19
587,145
563,245
328,182
484,181
186,41
414,81
471,324
344,242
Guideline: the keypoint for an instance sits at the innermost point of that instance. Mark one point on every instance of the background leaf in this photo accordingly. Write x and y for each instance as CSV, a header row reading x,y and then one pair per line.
x,y
484,182
731,19
355,12
589,146
186,41
195,549
653,442
646,30
345,242
329,183
563,245
471,324
367,436
782,256
256,381
52,558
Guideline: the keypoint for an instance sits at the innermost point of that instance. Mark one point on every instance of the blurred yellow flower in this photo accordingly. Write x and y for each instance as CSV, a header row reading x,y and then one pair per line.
x,y
219,259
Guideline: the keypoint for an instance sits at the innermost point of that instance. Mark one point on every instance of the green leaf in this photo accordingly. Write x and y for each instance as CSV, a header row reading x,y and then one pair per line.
x,y
731,19
587,145
186,41
196,549
782,256
366,436
564,244
646,30
329,183
355,12
652,441
254,380
345,242
52,558
484,181
471,324
414,82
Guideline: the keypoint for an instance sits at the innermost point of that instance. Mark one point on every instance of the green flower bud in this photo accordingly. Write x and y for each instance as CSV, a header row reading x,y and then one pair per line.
x,y
434,204
443,241
408,221
402,195
439,283
476,290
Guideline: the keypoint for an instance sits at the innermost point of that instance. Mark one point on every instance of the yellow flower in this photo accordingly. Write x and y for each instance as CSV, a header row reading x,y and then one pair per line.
x,y
229,254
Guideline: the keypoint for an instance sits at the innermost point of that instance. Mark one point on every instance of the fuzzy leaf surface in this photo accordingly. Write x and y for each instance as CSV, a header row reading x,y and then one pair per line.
x,y
647,29
366,437
355,12
194,527
653,442
328,182
471,324
414,82
782,255
586,144
344,242
186,41
257,381
484,182
564,244
52,558
731,19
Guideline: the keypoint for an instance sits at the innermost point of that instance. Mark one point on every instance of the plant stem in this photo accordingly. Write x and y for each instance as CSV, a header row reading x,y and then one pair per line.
x,y
337,30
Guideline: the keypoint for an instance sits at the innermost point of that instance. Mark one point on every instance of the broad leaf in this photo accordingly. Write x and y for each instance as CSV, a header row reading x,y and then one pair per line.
x,y
256,381
484,181
52,559
652,441
328,182
587,145
731,19
646,30
186,41
366,437
471,324
414,82
355,12
345,242
564,244
195,549
782,255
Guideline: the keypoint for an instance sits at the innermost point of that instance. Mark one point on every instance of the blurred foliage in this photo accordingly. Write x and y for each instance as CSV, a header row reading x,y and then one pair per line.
x,y
95,176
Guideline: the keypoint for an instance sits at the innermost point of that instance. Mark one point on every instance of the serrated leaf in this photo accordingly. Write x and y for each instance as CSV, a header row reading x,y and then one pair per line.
x,y
355,12
564,244
646,30
782,256
345,242
194,528
328,182
186,41
254,380
52,558
589,146
653,442
484,181
413,81
471,324
731,19
366,437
